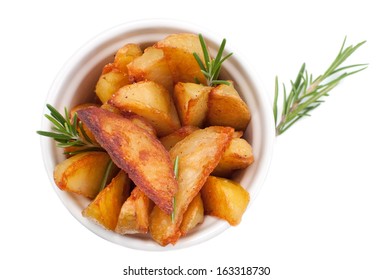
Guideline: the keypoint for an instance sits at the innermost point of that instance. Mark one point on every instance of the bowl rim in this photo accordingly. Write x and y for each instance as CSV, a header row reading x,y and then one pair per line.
x,y
48,148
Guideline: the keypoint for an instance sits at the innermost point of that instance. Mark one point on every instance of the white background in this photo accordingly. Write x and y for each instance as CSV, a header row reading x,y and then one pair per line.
x,y
325,209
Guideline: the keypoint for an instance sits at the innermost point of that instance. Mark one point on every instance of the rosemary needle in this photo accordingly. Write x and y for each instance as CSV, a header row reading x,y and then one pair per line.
x,y
68,132
305,94
176,176
212,67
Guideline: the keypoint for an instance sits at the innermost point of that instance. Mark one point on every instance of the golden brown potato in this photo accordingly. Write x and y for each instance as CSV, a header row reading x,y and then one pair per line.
x,y
193,216
226,108
178,50
170,140
191,101
238,134
126,55
106,207
199,154
238,155
151,66
109,82
135,151
82,173
110,108
225,199
142,123
134,213
151,101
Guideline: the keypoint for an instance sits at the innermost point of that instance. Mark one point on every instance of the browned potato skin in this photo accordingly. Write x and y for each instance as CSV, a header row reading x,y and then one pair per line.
x,y
151,101
191,101
82,173
134,213
226,108
178,50
109,82
225,199
151,66
106,206
135,151
199,153
170,140
193,216
126,55
238,155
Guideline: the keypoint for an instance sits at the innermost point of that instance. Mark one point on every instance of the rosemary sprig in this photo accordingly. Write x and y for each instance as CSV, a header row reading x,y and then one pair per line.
x,y
176,176
305,94
105,177
66,132
212,66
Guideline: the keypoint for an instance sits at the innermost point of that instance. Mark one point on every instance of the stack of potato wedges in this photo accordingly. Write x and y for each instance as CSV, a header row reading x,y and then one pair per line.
x,y
151,114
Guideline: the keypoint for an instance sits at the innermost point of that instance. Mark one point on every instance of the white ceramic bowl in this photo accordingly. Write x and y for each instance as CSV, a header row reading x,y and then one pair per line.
x,y
75,84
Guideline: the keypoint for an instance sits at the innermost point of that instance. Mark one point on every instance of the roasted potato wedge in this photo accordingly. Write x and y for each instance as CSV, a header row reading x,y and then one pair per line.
x,y
110,108
199,153
151,66
82,173
126,55
191,101
151,101
134,213
109,82
105,208
170,140
226,108
225,199
238,155
135,151
193,216
142,123
238,134
178,50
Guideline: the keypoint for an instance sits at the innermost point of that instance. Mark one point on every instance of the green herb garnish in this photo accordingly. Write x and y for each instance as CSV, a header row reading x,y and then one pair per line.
x,y
176,176
212,66
305,93
66,132
108,170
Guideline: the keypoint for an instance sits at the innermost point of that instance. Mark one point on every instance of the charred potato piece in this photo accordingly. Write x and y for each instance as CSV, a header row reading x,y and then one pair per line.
x,y
134,213
178,50
126,55
82,173
151,66
170,140
105,208
193,216
109,82
238,155
151,101
135,151
191,101
199,153
226,108
225,199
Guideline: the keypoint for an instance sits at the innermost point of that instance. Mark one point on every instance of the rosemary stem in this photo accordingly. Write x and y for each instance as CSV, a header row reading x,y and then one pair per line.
x,y
305,93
